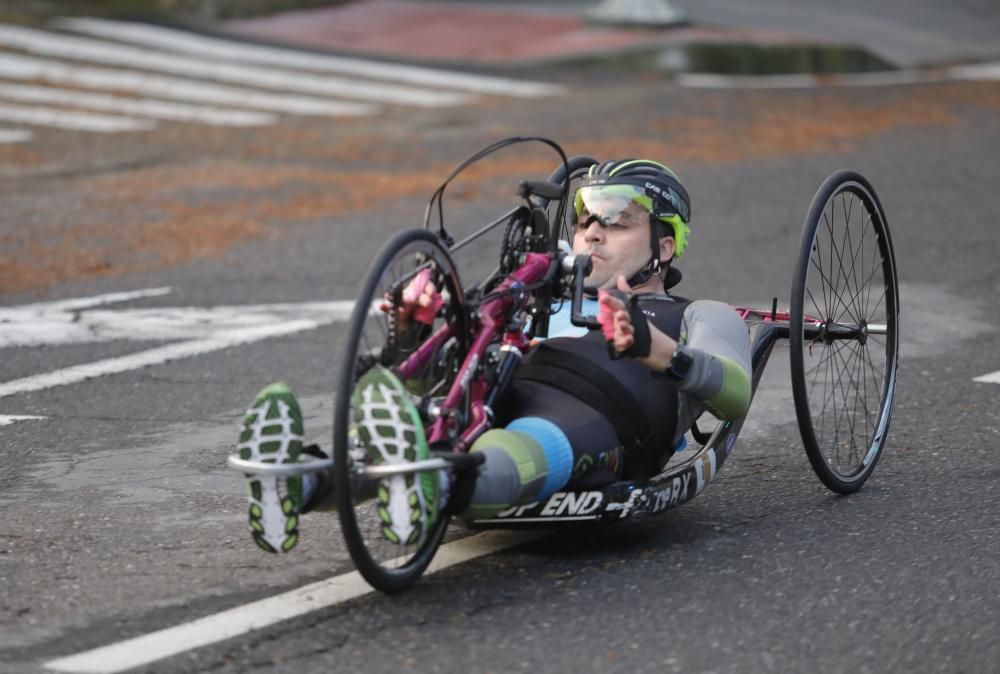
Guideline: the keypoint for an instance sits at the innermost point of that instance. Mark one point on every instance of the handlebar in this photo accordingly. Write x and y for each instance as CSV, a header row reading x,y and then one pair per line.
x,y
580,266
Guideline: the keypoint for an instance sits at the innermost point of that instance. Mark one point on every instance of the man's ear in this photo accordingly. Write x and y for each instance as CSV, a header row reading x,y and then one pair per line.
x,y
667,248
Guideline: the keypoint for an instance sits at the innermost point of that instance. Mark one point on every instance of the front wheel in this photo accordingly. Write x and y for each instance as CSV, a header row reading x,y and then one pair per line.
x,y
843,338
379,338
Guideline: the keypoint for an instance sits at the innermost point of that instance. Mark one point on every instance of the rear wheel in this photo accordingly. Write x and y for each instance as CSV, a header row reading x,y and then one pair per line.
x,y
844,339
376,337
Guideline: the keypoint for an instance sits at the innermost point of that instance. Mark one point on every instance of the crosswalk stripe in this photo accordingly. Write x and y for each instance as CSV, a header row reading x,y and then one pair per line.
x,y
78,48
79,121
8,136
180,41
991,378
15,66
129,106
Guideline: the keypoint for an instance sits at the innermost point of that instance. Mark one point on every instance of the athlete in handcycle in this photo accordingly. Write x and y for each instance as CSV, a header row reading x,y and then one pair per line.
x,y
563,386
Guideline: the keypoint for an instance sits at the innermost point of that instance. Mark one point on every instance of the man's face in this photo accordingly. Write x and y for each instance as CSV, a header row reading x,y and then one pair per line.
x,y
620,247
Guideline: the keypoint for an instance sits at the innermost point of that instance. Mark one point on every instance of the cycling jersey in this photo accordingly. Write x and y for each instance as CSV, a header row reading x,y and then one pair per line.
x,y
574,416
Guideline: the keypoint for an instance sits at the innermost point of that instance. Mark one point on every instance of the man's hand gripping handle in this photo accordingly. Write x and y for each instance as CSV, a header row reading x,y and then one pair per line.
x,y
623,324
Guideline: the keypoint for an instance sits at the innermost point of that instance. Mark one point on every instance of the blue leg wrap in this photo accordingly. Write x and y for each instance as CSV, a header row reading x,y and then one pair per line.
x,y
555,444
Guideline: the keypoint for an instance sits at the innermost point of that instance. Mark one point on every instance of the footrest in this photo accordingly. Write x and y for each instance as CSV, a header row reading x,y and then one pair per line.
x,y
462,461
310,465
405,468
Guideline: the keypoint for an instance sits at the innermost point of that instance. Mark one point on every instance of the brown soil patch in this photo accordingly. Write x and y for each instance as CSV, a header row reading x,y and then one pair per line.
x,y
169,215
192,221
819,124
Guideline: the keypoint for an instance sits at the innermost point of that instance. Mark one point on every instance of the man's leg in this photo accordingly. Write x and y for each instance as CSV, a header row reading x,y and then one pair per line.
x,y
554,441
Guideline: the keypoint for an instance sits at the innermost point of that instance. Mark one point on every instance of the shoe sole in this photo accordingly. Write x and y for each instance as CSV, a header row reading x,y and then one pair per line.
x,y
272,433
390,428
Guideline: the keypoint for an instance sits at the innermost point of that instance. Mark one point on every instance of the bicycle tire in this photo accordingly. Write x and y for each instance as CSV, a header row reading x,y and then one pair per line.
x,y
388,567
857,381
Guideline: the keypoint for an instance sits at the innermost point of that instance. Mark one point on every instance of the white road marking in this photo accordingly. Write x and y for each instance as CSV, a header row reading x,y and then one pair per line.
x,y
78,303
77,48
16,66
200,45
222,340
204,329
991,378
985,71
14,136
8,419
978,71
211,629
83,321
77,121
129,106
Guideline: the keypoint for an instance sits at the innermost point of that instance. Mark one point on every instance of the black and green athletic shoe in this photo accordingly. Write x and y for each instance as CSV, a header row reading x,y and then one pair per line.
x,y
391,431
272,433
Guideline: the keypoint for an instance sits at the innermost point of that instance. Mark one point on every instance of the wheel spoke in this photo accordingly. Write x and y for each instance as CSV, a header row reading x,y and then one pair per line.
x,y
868,221
854,303
849,414
838,272
818,313
882,296
841,272
830,363
859,313
866,281
854,405
822,363
828,284
817,261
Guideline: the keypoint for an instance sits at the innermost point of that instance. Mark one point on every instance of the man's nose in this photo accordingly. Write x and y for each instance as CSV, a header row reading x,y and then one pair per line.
x,y
594,232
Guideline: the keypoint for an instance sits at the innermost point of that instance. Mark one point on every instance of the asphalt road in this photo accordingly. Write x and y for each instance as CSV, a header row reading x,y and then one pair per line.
x,y
119,517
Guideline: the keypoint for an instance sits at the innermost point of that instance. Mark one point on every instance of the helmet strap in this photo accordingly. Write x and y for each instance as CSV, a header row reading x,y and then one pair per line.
x,y
652,268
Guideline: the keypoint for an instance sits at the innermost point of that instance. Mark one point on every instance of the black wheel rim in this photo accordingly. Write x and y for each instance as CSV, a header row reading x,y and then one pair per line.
x,y
848,348
375,337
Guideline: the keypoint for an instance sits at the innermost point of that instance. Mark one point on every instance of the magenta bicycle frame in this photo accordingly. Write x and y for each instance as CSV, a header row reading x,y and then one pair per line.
x,y
493,319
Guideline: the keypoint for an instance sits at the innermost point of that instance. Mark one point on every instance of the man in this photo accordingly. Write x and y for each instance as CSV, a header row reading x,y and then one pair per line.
x,y
573,416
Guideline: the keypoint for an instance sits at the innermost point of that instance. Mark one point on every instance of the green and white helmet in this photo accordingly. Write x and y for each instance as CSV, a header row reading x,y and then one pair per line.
x,y
612,185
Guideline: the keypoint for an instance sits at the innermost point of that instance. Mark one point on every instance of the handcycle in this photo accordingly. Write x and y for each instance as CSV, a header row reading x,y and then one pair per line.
x,y
458,357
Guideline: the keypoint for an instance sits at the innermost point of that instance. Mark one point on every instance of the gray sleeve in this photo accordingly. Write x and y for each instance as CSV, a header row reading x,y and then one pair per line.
x,y
719,343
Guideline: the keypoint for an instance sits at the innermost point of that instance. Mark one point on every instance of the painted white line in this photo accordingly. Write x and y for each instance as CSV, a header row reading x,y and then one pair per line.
x,y
79,303
73,322
14,136
78,48
77,121
203,329
697,81
221,340
143,107
991,378
19,67
200,45
235,622
985,71
8,419
979,71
